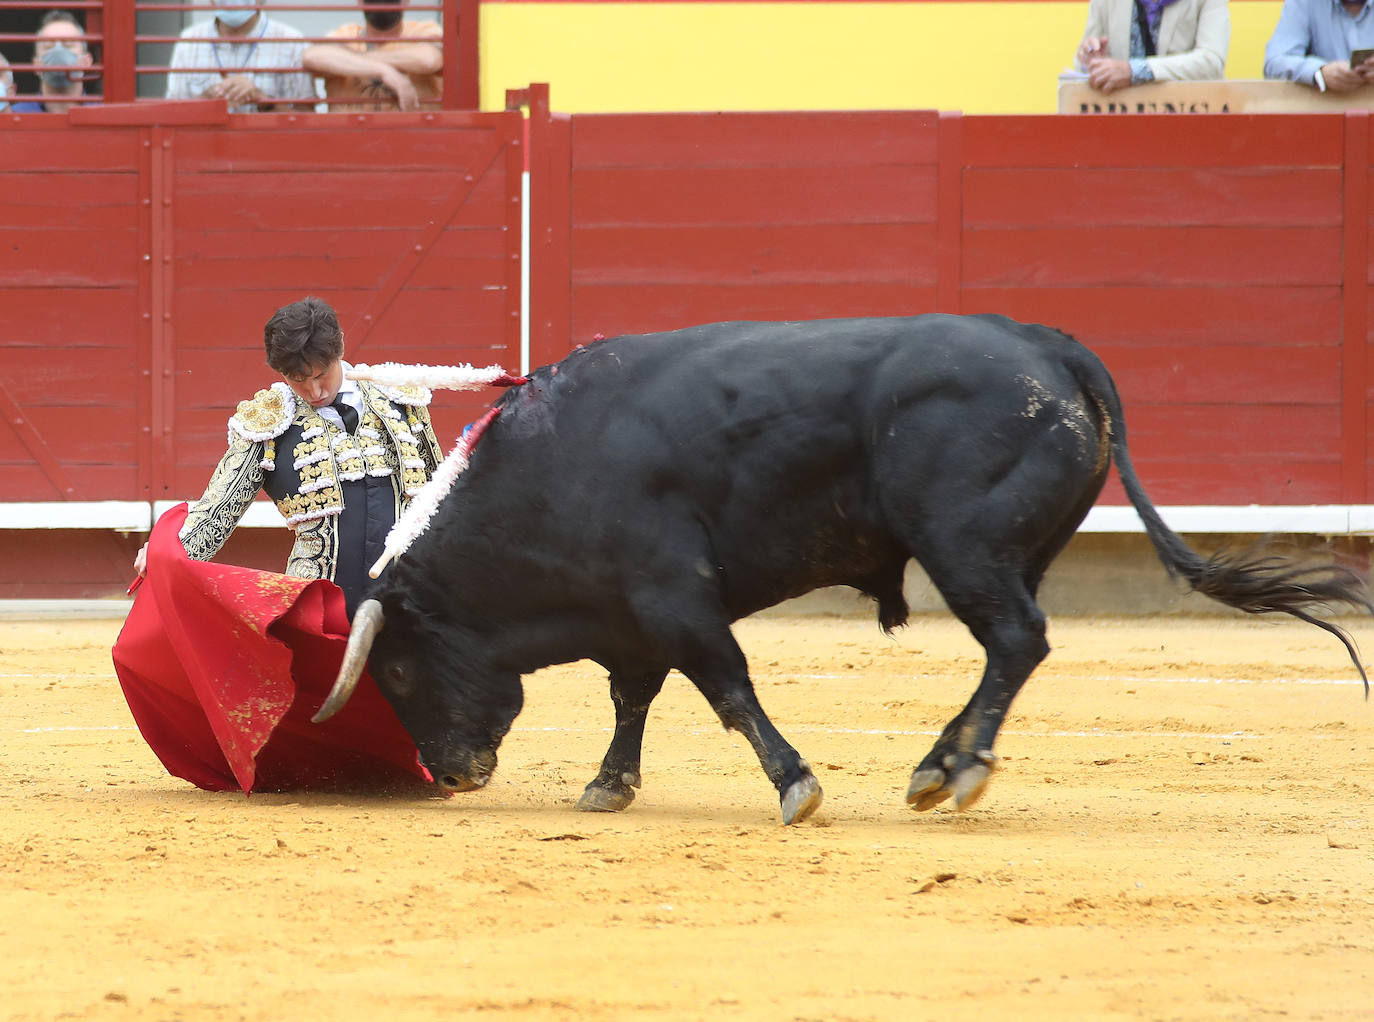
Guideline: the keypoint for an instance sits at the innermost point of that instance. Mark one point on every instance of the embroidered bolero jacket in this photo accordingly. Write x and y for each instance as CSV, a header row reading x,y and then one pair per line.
x,y
303,459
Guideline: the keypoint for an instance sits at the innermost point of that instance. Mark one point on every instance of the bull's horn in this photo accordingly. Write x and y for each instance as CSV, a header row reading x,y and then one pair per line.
x,y
367,622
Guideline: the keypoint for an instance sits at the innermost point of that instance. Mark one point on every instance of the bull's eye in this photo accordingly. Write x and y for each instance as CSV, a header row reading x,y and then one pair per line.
x,y
397,680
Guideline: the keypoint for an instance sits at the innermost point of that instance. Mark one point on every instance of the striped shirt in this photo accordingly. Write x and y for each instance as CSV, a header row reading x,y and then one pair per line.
x,y
270,45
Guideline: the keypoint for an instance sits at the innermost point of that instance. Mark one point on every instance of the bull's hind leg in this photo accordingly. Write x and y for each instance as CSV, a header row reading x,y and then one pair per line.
x,y
613,787
1011,628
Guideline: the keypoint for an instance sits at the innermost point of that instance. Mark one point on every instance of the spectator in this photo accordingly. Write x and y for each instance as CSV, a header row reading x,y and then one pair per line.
x,y
388,62
1131,42
59,48
1313,41
6,82
230,56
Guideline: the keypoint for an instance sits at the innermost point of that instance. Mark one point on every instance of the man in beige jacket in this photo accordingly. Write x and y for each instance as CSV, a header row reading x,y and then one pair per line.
x,y
1130,42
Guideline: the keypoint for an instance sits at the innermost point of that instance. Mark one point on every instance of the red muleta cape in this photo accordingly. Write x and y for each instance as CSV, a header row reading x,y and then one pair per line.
x,y
223,667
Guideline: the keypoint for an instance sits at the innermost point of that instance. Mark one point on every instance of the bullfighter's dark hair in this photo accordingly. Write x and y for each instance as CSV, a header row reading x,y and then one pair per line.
x,y
303,337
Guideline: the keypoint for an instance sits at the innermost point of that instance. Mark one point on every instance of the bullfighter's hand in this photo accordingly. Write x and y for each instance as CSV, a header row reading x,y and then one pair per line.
x,y
1108,75
141,560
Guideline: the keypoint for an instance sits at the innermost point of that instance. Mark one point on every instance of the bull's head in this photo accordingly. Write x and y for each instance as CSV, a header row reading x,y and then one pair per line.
x,y
456,711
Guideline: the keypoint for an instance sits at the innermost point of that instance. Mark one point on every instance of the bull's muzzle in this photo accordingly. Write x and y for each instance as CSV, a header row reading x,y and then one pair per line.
x,y
466,773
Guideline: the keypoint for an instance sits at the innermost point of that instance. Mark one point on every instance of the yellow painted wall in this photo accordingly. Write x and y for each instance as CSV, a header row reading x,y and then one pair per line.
x,y
982,58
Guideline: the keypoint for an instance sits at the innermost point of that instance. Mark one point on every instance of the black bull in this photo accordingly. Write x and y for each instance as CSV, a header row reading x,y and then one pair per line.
x,y
634,499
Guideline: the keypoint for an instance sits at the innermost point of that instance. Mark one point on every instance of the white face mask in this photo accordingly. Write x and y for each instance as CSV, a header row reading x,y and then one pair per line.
x,y
232,13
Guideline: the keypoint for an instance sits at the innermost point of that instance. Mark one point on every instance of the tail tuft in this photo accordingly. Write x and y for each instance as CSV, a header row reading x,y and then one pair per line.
x,y
1258,580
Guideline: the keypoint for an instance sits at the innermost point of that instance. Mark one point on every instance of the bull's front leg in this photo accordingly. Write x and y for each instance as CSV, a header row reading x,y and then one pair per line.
x,y
719,670
613,787
798,790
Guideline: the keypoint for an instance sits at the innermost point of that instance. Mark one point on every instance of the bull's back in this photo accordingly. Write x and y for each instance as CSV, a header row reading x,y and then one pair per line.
x,y
728,388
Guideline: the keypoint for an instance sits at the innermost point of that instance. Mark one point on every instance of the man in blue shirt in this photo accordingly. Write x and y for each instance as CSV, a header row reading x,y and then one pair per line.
x,y
1314,39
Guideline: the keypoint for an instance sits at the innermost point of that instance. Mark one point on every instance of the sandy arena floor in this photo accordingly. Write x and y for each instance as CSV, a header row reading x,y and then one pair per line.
x,y
1183,828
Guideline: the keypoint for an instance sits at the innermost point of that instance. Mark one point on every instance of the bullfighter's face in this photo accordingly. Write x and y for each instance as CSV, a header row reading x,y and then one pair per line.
x,y
456,712
318,385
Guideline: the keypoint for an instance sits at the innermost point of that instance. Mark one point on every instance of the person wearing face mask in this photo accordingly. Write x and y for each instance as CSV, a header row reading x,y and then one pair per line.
x,y
385,63
6,83
62,55
241,56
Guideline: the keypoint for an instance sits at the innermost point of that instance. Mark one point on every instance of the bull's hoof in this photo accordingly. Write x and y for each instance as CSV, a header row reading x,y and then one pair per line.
x,y
927,789
965,784
969,784
600,798
801,799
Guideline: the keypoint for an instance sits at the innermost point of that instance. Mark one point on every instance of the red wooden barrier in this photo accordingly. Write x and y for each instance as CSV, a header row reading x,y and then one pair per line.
x,y
140,263
1219,264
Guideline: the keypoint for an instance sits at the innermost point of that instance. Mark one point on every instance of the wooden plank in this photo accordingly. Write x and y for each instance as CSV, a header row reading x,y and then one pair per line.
x,y
1233,430
69,433
707,255
331,200
550,224
448,316
82,377
1230,482
95,481
1085,197
949,231
341,145
41,145
1224,374
61,316
362,259
65,563
87,200
161,352
1201,140
35,257
1355,331
1131,256
749,196
777,139
1268,315
613,309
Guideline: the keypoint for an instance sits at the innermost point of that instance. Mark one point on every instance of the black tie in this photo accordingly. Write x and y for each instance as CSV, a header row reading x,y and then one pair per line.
x,y
346,412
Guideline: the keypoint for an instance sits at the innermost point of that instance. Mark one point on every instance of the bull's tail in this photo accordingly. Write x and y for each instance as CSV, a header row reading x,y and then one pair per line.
x,y
1257,579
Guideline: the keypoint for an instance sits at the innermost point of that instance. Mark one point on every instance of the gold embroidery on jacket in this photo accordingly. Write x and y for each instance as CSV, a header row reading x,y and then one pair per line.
x,y
389,442
266,414
232,487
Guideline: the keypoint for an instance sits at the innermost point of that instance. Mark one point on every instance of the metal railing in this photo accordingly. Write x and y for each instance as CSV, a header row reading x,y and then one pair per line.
x,y
130,44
